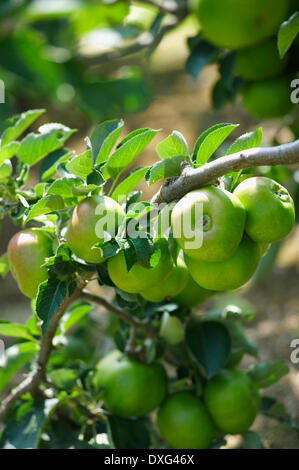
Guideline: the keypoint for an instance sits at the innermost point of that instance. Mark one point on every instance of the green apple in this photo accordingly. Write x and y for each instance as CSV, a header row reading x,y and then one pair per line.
x,y
139,278
27,251
208,223
270,209
129,387
91,218
237,24
260,62
229,274
185,423
192,294
172,329
269,98
172,285
232,400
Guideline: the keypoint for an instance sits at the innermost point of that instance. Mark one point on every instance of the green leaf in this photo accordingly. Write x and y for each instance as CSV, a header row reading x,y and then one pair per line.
x,y
168,168
239,339
18,124
128,433
51,161
144,248
74,314
24,432
267,373
287,33
46,205
174,145
128,151
4,266
128,184
209,141
8,151
64,379
246,141
63,187
51,137
50,296
103,139
14,330
202,54
251,440
80,165
210,344
16,357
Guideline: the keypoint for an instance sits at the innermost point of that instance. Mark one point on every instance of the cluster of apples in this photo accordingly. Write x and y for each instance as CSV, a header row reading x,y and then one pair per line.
x,y
128,388
250,28
237,229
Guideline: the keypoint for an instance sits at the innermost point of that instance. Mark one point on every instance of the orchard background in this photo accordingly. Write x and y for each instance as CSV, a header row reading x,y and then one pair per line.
x,y
88,61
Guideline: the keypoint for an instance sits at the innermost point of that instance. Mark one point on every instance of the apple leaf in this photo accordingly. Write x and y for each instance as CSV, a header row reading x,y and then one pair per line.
x,y
34,147
16,125
246,141
51,161
209,141
174,145
8,151
16,357
168,168
74,314
128,433
210,344
25,430
46,205
81,165
14,330
128,184
51,294
128,150
287,33
267,373
103,139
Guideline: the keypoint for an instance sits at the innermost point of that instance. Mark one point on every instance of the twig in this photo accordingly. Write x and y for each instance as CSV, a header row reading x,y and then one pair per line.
x,y
130,347
286,154
125,316
147,40
32,382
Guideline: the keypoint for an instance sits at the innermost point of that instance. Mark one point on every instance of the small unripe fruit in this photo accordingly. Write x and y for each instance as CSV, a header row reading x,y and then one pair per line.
x,y
27,251
172,329
91,219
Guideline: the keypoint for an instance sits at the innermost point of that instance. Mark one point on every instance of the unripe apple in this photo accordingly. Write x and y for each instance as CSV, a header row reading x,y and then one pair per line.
x,y
270,209
27,251
172,329
91,218
172,285
129,387
229,274
212,220
192,294
139,278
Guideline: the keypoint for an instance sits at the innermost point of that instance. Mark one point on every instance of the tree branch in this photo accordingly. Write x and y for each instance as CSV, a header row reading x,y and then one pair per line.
x,y
122,314
32,382
286,154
